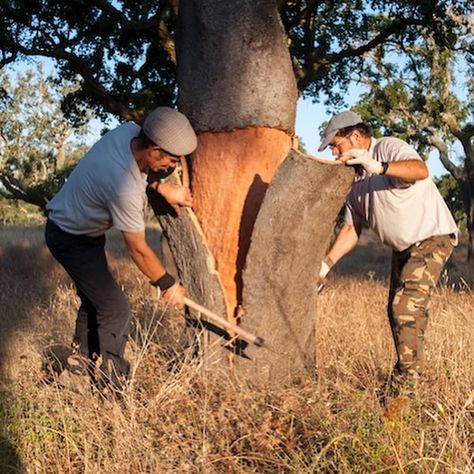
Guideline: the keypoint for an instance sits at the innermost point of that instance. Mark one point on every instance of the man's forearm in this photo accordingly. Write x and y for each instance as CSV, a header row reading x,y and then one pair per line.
x,y
345,241
147,262
410,170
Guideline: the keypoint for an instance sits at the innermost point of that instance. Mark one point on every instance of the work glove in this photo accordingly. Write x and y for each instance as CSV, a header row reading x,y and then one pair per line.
x,y
362,158
326,265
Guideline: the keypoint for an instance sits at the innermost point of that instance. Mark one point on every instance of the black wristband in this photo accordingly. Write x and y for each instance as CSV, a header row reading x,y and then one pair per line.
x,y
165,282
384,167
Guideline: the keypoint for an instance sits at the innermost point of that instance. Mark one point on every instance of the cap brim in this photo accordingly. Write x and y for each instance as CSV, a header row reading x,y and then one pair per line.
x,y
327,140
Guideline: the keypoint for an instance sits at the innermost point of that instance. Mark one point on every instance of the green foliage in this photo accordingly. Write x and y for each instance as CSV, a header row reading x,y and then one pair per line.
x,y
40,145
414,98
114,47
124,51
449,189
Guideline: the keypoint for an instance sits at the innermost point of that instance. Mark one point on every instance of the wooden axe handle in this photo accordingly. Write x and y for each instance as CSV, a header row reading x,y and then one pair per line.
x,y
258,341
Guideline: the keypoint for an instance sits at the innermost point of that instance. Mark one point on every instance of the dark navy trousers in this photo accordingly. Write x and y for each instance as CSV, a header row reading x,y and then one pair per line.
x,y
103,319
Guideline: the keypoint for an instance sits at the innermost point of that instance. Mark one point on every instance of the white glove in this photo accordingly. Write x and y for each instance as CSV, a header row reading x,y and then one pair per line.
x,y
326,265
324,270
362,157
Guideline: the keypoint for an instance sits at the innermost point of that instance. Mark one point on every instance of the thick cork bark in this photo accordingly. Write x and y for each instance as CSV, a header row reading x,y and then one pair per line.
x,y
230,173
289,240
234,67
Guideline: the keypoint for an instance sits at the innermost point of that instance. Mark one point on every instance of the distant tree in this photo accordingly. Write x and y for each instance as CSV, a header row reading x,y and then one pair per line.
x,y
37,149
424,93
449,189
18,212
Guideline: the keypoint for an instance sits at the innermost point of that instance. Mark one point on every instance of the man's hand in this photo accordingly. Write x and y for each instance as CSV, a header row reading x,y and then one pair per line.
x,y
362,157
326,265
174,296
177,196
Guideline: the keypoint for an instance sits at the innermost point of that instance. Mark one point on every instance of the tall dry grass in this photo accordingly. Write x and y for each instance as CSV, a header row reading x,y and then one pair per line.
x,y
177,418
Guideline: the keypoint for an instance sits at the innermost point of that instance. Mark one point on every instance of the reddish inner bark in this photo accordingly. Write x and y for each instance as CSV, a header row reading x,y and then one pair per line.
x,y
229,176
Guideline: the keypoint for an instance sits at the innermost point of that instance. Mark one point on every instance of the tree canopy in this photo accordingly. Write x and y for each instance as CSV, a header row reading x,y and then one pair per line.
x,y
36,150
424,94
123,51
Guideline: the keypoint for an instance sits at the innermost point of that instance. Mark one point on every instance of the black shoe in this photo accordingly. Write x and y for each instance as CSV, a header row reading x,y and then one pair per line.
x,y
111,377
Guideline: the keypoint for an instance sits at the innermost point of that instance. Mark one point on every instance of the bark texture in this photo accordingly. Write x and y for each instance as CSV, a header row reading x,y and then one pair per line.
x,y
234,67
290,237
196,269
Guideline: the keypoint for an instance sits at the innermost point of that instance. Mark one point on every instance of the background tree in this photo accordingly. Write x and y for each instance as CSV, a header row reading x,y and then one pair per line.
x,y
449,189
37,151
423,93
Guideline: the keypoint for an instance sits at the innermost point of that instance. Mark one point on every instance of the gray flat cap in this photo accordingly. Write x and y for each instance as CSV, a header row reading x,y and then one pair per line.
x,y
170,130
338,122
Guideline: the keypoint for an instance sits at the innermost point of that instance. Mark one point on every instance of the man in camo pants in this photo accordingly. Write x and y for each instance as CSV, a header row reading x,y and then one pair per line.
x,y
415,272
393,193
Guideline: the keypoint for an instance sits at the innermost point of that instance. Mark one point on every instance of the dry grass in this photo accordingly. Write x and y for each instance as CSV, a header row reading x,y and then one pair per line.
x,y
178,419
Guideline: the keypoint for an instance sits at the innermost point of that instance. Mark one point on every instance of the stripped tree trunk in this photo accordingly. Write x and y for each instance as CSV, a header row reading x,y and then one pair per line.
x,y
237,86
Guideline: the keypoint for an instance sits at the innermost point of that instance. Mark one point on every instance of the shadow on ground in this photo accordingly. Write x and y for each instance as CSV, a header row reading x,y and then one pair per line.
x,y
10,462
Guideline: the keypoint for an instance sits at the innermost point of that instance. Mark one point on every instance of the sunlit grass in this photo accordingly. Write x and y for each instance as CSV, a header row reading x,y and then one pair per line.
x,y
178,418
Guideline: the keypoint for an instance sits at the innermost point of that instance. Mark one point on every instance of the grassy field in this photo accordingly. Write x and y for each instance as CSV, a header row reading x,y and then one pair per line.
x,y
178,419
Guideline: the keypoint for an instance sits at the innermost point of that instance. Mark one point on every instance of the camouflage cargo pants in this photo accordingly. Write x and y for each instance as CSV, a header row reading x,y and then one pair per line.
x,y
415,272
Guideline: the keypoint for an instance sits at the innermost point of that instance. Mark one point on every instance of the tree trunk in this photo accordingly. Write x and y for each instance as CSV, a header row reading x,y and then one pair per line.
x,y
466,186
236,85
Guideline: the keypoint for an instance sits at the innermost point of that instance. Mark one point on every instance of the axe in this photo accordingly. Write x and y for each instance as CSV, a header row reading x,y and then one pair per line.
x,y
258,341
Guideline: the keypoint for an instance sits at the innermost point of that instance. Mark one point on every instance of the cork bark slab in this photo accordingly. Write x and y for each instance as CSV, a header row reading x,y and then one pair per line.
x,y
196,269
290,237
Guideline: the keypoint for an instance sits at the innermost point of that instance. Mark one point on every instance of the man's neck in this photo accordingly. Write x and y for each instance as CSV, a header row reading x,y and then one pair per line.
x,y
138,155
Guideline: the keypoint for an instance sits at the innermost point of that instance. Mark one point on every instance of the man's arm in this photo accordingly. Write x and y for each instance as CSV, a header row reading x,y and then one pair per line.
x,y
408,170
150,265
176,195
346,240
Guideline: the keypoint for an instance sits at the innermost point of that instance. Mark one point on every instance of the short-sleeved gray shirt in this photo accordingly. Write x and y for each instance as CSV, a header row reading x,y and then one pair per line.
x,y
106,188
400,212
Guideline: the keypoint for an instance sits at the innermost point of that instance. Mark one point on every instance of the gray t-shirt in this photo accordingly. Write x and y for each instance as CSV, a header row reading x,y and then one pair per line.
x,y
106,188
400,212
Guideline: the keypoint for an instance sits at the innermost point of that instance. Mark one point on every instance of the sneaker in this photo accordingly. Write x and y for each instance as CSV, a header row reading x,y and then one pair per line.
x,y
74,382
76,375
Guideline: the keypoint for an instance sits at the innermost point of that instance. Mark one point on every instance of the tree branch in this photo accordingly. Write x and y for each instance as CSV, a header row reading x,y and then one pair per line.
x,y
96,90
121,19
441,146
465,133
156,23
326,60
163,33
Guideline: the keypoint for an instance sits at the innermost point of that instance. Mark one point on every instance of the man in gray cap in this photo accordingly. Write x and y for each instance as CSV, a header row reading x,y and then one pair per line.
x,y
108,188
393,193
